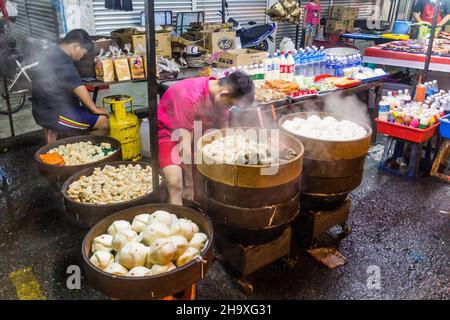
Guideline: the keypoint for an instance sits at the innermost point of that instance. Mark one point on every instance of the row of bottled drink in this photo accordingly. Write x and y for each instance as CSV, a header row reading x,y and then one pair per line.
x,y
398,107
293,65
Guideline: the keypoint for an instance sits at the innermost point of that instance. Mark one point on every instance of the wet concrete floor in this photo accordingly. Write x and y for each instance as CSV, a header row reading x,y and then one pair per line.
x,y
399,228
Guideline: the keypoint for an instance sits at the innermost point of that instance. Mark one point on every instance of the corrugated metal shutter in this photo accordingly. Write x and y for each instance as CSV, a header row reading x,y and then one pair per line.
x,y
241,10
364,6
21,29
109,20
42,19
35,18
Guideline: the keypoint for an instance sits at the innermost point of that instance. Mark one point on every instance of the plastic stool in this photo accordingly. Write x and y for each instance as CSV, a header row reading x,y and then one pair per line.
x,y
442,160
416,162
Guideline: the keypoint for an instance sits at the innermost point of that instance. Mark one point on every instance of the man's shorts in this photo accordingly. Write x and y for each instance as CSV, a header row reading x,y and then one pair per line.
x,y
76,117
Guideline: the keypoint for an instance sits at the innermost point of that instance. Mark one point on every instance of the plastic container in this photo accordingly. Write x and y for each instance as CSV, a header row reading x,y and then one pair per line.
x,y
405,133
401,27
145,138
444,128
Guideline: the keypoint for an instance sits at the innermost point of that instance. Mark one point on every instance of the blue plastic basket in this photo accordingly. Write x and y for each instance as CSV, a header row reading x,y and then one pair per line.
x,y
444,128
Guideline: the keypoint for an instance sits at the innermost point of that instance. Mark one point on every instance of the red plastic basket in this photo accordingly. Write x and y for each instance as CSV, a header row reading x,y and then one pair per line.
x,y
406,133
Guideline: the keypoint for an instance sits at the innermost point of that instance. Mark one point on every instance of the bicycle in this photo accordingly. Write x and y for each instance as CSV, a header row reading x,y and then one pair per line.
x,y
18,80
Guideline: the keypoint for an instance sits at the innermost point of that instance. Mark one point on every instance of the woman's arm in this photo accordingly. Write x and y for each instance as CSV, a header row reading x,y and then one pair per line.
x,y
444,20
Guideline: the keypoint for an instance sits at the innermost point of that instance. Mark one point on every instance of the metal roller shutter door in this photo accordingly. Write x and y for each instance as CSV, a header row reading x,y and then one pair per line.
x,y
35,18
241,10
109,20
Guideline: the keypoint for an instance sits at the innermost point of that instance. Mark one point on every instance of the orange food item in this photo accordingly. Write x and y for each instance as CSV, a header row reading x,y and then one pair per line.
x,y
52,158
283,86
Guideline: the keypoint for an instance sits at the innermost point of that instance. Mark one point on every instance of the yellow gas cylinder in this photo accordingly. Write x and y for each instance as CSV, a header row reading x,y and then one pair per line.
x,y
124,126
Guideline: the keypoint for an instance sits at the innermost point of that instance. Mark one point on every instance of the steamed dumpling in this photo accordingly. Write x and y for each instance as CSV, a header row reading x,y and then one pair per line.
x,y
185,228
158,269
154,231
116,269
102,259
122,238
140,222
161,217
198,241
161,252
187,256
118,225
102,243
139,272
180,243
132,254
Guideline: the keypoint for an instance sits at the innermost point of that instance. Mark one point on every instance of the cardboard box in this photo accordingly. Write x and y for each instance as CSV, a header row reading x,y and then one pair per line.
x,y
164,45
350,25
138,40
240,57
334,26
343,13
220,41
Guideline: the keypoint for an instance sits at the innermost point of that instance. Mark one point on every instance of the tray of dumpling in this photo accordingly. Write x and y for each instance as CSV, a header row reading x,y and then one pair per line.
x,y
65,157
96,192
148,252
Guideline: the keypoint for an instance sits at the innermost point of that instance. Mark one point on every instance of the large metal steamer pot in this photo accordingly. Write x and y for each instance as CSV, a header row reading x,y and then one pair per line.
x,y
331,169
86,215
247,206
55,173
149,287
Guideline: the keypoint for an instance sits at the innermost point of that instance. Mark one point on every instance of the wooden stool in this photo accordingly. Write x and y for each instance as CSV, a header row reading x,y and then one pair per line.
x,y
442,160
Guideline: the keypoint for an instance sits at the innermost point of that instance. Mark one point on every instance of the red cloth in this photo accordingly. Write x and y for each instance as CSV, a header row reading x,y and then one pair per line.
x,y
427,14
183,103
3,8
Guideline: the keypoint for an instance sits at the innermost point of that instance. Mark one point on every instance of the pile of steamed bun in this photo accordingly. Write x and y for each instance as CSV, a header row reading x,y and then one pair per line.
x,y
152,244
238,149
327,128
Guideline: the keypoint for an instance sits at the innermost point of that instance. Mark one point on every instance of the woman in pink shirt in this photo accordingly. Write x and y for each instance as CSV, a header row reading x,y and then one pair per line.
x,y
198,99
312,21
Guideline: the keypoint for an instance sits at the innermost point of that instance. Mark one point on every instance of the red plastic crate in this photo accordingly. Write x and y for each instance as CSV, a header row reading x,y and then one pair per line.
x,y
406,133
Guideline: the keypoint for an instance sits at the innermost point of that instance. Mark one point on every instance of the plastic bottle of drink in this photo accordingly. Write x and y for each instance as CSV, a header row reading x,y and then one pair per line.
x,y
435,87
339,69
383,110
276,67
328,68
407,96
309,63
290,67
323,60
301,61
262,74
283,66
268,67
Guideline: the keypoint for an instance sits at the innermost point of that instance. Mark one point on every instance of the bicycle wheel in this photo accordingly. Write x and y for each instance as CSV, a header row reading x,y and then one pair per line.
x,y
17,97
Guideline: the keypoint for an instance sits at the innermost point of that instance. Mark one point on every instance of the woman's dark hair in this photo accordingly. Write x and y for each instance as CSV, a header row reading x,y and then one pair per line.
x,y
81,37
240,84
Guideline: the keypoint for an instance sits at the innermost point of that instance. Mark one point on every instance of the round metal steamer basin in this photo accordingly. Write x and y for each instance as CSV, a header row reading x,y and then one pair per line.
x,y
244,204
55,173
149,287
330,168
86,215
